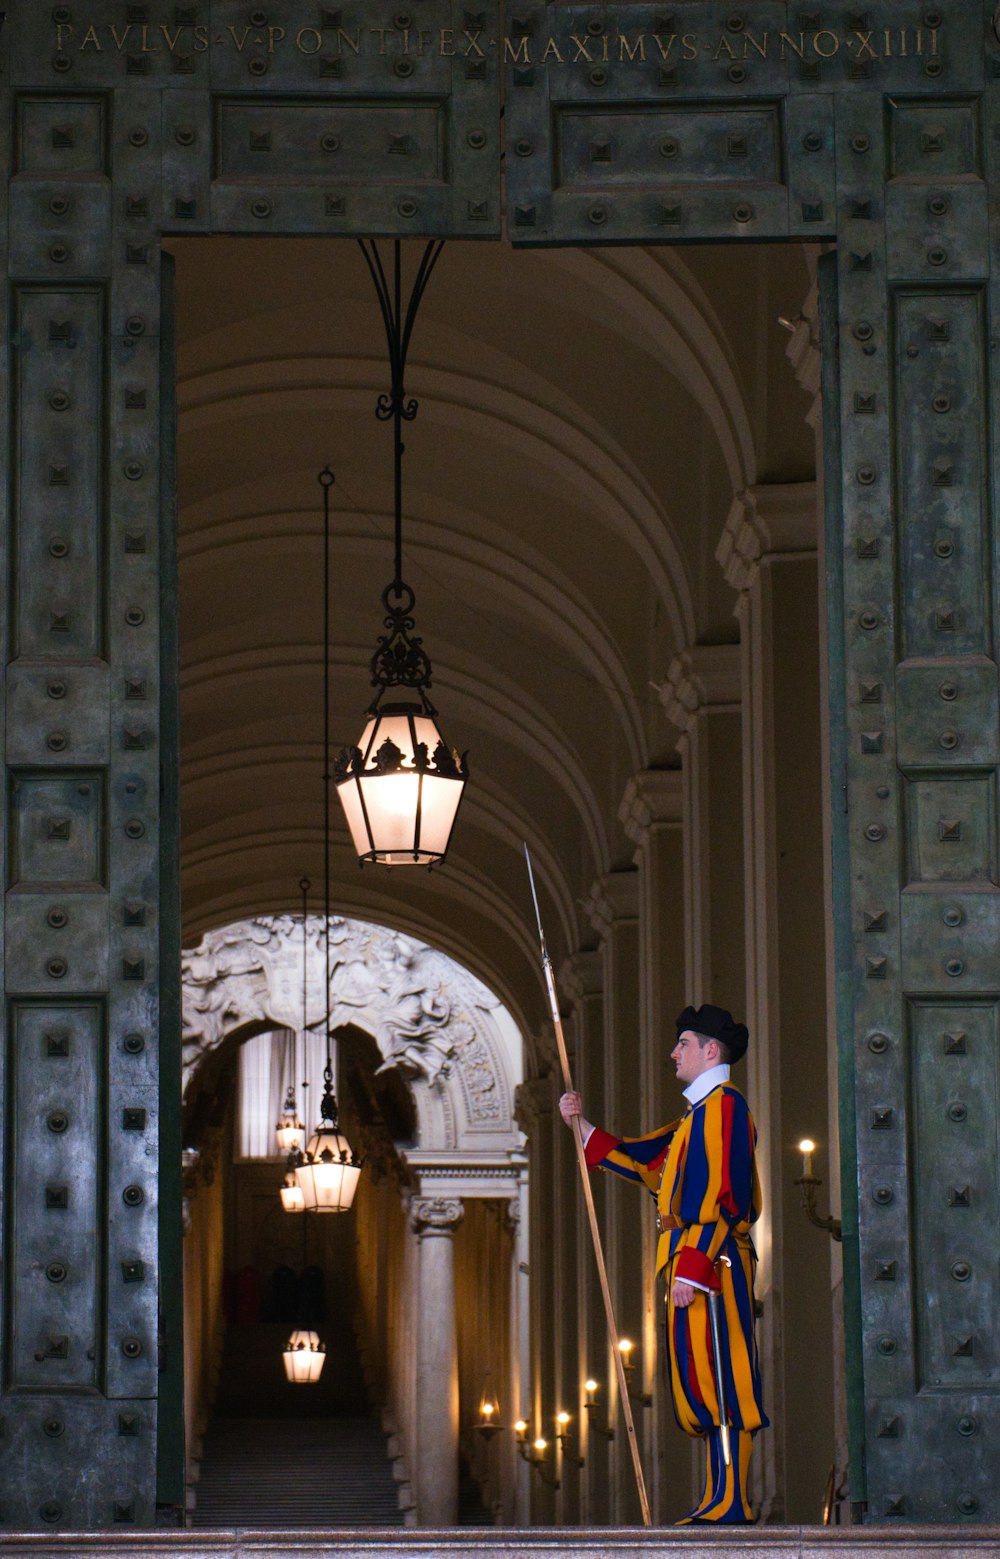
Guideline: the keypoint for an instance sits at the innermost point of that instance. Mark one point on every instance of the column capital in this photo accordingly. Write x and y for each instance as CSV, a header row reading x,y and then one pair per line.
x,y
532,1100
774,517
435,1215
612,897
582,975
652,797
707,676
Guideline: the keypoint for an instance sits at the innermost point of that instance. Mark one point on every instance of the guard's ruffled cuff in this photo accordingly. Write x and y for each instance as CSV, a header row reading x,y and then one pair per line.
x,y
599,1145
693,1266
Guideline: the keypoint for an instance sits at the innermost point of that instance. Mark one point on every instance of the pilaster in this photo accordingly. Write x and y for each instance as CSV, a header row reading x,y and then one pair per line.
x,y
612,907
534,1104
581,979
652,814
768,554
701,694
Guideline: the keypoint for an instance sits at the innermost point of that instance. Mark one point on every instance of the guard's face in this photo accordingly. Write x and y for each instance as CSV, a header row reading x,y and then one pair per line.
x,y
689,1057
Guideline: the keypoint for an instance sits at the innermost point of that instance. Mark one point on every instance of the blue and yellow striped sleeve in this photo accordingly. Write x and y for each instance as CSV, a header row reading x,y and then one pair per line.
x,y
634,1158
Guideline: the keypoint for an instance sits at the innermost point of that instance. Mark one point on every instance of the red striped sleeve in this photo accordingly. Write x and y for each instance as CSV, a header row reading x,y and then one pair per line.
x,y
599,1145
693,1266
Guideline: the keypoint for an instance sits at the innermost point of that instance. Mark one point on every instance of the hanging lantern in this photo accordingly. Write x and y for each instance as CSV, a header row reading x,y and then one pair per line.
x,y
304,1357
292,1200
400,787
289,1130
327,1172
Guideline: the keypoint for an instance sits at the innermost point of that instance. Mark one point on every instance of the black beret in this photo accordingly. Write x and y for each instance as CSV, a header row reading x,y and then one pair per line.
x,y
716,1023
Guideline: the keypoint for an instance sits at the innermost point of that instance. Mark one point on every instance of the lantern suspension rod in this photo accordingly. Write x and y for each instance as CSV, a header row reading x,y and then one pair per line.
x,y
304,886
398,330
326,479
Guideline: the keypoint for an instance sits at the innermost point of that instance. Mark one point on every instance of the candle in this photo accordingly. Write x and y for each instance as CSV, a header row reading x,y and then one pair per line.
x,y
520,1429
807,1148
590,1387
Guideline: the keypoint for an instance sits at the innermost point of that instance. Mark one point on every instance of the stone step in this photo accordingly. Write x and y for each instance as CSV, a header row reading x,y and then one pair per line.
x,y
870,1542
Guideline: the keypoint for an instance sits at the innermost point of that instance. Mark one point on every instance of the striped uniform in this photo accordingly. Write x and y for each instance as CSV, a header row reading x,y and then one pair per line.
x,y
702,1171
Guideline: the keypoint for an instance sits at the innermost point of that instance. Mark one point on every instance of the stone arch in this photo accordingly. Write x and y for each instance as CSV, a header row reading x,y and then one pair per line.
x,y
449,1036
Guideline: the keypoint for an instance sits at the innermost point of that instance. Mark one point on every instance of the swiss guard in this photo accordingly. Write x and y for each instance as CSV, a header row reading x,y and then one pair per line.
x,y
702,1171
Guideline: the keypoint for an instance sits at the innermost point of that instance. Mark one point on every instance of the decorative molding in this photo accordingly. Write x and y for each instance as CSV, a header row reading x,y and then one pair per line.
x,y
707,676
612,897
776,517
429,1016
582,975
435,1215
532,1100
653,797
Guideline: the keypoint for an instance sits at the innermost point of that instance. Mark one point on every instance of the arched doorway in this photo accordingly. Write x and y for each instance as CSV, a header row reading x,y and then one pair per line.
x,y
427,1064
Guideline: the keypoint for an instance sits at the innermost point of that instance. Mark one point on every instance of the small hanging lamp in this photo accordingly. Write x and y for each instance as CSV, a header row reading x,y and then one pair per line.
x,y
289,1130
304,1357
292,1200
401,786
326,1171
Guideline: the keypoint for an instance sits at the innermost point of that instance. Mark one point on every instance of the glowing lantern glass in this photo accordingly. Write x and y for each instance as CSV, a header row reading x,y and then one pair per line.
x,y
401,786
304,1357
292,1199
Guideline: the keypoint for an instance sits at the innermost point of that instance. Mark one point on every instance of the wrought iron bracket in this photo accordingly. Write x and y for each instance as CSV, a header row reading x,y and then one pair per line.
x,y
808,1186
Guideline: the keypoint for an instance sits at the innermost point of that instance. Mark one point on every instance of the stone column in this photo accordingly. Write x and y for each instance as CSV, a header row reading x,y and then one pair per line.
x,y
613,910
434,1221
581,980
768,554
651,813
701,695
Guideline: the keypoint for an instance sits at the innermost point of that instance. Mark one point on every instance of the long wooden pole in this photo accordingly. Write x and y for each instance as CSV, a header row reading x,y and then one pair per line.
x,y
588,1197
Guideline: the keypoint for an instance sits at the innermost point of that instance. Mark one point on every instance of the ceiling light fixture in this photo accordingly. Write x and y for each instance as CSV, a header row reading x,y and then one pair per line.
x,y
401,786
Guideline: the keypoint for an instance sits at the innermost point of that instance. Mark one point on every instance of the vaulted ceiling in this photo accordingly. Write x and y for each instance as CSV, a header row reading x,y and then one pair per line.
x,y
586,417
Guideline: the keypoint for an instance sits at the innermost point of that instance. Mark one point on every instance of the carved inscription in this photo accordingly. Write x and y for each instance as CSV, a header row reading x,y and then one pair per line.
x,y
859,44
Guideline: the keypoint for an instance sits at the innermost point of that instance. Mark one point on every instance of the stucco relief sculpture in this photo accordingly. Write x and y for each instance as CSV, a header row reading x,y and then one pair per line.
x,y
425,1012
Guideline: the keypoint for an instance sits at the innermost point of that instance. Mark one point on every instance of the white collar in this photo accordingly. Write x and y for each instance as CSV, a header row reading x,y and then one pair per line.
x,y
703,1085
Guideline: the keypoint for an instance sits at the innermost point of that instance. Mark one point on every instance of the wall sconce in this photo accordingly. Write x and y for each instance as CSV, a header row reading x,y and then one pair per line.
x,y
538,1459
590,1387
626,1347
808,1183
535,1454
489,1417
